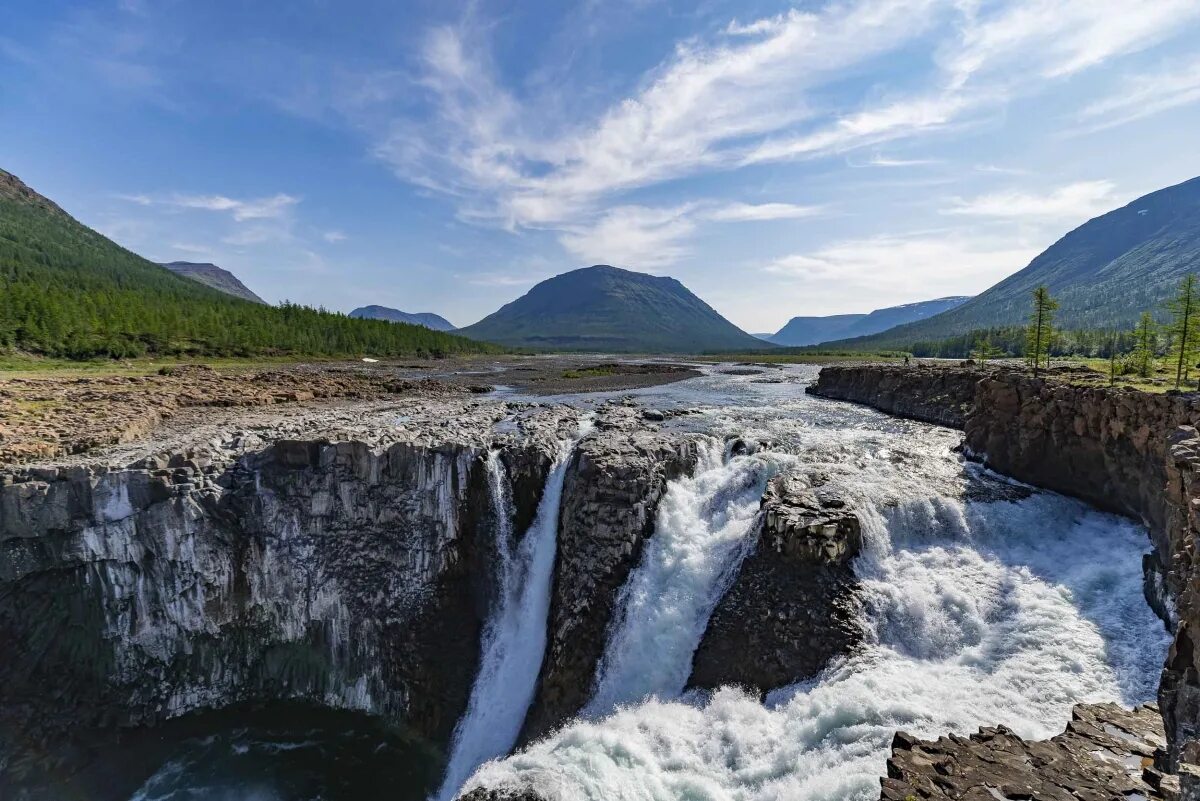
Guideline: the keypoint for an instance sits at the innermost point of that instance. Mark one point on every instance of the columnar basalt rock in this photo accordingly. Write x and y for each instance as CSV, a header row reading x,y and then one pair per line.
x,y
346,574
614,483
929,394
1107,446
1106,753
793,605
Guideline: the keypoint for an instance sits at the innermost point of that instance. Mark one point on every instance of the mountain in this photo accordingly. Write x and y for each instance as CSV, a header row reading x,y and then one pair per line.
x,y
815,330
604,308
69,292
213,276
427,319
1104,273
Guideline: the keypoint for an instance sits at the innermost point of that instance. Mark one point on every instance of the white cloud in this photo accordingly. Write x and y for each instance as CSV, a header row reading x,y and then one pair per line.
x,y
275,207
885,161
632,235
886,270
266,208
746,212
333,237
187,247
1077,201
654,237
743,96
1054,38
1176,85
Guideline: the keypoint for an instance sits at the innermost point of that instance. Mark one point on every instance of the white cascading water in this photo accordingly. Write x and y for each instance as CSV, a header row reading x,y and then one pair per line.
x,y
514,639
701,535
987,604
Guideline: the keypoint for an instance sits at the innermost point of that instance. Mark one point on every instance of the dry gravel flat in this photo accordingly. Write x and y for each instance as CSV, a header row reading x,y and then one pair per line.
x,y
55,414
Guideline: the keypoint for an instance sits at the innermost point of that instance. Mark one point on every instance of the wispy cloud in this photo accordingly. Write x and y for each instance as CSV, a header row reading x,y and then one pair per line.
x,y
1175,85
1077,201
265,208
1055,38
275,207
625,235
654,237
747,212
904,267
333,237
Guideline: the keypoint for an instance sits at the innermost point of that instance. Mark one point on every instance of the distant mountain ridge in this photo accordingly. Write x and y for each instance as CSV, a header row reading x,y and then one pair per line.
x,y
427,319
816,330
1104,273
213,276
604,308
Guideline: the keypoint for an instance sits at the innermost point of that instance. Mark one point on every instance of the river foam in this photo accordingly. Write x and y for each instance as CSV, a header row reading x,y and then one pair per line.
x,y
987,603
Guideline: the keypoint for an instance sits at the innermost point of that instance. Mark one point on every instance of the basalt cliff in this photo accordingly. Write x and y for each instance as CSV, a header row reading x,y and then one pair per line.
x,y
1122,450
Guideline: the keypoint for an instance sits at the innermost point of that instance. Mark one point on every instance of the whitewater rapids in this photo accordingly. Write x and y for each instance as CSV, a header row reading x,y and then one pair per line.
x,y
987,603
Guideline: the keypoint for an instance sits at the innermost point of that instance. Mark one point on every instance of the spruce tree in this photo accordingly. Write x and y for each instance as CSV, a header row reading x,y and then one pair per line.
x,y
1185,340
1040,331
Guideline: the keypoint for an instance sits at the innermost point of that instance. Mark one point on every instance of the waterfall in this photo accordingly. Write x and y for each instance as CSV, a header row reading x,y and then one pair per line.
x,y
704,527
514,639
984,609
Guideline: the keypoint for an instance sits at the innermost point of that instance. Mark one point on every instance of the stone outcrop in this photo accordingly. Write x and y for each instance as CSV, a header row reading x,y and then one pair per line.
x,y
1179,689
610,496
1106,754
1109,447
930,394
351,574
793,605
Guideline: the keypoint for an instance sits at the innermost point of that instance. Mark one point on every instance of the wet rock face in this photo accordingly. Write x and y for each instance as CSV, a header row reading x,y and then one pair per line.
x,y
1179,690
501,794
939,395
348,575
1106,753
613,485
793,605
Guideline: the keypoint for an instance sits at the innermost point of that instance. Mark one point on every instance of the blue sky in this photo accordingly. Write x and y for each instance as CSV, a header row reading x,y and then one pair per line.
x,y
778,158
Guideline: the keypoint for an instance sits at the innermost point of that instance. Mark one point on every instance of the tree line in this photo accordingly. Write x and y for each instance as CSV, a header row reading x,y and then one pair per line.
x,y
1140,350
68,292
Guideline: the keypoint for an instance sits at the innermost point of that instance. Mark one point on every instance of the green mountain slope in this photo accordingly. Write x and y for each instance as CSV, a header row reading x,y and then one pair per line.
x,y
213,276
67,291
427,319
1104,273
815,330
604,308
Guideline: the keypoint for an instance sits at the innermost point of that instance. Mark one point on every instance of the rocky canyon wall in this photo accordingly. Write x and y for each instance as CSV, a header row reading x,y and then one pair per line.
x,y
1122,450
349,575
929,394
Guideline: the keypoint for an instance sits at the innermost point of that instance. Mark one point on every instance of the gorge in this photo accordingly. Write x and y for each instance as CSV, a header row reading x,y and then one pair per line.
x,y
726,587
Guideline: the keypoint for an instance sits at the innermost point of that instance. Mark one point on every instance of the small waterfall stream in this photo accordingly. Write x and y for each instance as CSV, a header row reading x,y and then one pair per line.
x,y
514,641
704,528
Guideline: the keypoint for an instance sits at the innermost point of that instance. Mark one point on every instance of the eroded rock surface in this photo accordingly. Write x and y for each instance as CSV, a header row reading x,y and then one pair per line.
x,y
614,483
348,573
793,605
1106,754
940,395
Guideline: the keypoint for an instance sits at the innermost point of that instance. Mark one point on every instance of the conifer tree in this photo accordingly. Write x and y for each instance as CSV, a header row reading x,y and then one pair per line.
x,y
1040,331
1145,344
1185,317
